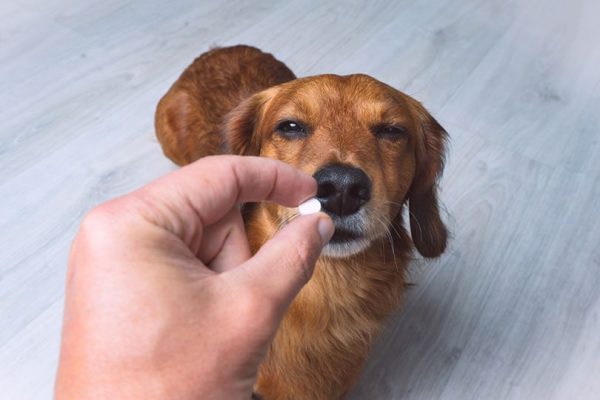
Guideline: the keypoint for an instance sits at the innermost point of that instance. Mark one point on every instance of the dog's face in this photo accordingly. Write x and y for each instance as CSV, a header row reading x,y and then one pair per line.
x,y
369,146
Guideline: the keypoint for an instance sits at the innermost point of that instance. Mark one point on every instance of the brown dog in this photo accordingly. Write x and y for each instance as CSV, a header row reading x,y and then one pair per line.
x,y
371,149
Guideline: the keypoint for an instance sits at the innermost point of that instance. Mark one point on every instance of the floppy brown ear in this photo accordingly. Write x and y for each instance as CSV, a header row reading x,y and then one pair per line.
x,y
185,132
241,124
428,232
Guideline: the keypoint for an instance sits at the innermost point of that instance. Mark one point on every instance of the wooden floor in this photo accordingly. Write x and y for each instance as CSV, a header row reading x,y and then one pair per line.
x,y
512,311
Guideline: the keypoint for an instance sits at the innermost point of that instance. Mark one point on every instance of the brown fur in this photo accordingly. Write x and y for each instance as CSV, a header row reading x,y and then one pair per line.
x,y
230,100
189,117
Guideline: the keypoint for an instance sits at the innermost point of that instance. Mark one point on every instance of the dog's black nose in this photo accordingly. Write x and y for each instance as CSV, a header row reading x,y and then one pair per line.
x,y
342,189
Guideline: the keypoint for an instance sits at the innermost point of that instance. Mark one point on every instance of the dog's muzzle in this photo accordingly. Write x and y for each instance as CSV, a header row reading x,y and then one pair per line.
x,y
343,190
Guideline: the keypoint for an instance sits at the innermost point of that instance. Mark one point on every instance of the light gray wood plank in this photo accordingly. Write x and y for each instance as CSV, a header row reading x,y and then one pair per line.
x,y
29,360
538,90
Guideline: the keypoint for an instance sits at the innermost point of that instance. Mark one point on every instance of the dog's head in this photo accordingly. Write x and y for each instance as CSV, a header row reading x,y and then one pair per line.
x,y
370,147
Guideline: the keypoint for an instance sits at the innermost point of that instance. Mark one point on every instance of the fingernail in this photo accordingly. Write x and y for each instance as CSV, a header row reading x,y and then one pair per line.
x,y
326,228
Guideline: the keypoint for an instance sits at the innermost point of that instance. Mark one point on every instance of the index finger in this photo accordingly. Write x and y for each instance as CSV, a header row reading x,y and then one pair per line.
x,y
213,185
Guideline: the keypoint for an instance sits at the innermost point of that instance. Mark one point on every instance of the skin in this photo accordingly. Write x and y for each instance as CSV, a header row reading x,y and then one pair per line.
x,y
163,297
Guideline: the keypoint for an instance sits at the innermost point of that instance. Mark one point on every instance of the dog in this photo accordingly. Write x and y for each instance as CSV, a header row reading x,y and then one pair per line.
x,y
372,150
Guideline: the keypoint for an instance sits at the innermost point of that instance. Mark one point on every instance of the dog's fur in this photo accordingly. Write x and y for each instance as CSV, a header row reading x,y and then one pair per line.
x,y
232,100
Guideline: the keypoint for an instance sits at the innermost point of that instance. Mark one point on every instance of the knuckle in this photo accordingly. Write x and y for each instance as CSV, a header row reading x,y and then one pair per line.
x,y
95,219
102,219
109,213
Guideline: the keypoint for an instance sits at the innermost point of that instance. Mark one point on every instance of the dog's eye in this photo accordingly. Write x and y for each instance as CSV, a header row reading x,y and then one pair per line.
x,y
391,132
291,129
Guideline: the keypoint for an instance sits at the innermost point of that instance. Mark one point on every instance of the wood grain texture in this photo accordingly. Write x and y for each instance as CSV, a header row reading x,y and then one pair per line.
x,y
512,311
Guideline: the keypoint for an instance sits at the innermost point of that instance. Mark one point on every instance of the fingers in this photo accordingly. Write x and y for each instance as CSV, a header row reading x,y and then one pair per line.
x,y
285,263
210,187
225,245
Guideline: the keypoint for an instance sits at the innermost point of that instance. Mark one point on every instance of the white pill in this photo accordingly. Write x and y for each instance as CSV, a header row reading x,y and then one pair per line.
x,y
309,207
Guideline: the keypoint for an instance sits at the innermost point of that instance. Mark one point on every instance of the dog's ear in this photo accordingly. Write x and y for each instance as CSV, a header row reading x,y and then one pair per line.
x,y
428,232
241,124
182,129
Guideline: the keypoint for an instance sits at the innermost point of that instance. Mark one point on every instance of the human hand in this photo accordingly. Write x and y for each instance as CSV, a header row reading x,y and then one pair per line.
x,y
163,297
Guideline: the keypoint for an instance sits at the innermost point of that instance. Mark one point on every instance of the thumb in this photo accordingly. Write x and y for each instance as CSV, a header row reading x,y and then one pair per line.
x,y
284,264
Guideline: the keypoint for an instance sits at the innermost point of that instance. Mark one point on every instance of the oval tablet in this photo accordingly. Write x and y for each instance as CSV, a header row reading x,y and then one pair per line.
x,y
310,206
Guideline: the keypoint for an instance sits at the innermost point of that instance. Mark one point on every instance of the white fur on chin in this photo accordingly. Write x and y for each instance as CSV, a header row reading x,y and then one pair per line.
x,y
345,249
